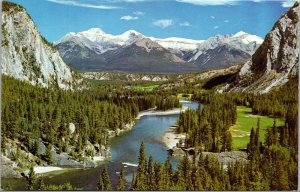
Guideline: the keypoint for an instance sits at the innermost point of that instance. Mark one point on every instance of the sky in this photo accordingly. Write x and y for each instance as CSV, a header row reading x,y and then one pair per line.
x,y
193,19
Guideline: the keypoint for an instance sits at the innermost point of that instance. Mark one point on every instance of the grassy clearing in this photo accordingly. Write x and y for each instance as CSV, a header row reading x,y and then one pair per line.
x,y
245,121
145,88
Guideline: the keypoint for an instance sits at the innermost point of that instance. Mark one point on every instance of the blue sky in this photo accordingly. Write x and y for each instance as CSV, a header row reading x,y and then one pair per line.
x,y
194,19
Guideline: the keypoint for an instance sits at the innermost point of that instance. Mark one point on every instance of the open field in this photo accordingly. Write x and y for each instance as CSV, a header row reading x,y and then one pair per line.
x,y
245,121
145,88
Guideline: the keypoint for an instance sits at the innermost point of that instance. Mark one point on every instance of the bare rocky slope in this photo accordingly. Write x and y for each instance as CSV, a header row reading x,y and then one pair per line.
x,y
275,61
27,56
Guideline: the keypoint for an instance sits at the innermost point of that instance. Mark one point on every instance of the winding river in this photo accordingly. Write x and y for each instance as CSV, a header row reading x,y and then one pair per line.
x,y
125,149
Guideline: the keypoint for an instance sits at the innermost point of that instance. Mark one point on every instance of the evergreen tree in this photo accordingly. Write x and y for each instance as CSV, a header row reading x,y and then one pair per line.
x,y
140,180
184,168
150,172
106,180
48,155
31,179
40,184
122,182
100,185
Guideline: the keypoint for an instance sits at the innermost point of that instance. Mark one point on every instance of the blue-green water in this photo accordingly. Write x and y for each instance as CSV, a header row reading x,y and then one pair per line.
x,y
124,148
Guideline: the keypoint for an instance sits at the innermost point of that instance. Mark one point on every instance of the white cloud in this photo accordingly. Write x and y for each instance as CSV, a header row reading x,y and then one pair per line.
x,y
284,3
138,13
185,24
120,1
288,3
226,21
128,18
209,2
163,23
80,4
212,17
130,1
216,27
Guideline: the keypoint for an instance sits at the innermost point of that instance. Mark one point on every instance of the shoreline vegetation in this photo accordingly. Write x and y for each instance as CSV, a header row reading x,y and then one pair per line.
x,y
128,127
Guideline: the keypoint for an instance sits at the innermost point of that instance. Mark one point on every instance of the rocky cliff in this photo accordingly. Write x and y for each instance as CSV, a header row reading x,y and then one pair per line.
x,y
27,56
276,60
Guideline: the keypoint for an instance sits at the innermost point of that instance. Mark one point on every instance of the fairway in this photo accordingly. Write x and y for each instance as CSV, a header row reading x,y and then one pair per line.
x,y
145,88
245,121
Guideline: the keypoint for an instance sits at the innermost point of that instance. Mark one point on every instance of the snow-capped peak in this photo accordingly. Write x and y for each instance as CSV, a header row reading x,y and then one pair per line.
x,y
99,41
178,43
130,34
241,40
241,33
95,30
248,38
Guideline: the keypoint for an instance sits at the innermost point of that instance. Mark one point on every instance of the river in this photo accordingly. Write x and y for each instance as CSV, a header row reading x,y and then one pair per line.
x,y
124,148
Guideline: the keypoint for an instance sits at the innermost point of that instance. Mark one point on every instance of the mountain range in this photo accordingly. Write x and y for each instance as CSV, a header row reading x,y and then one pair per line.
x,y
27,56
132,51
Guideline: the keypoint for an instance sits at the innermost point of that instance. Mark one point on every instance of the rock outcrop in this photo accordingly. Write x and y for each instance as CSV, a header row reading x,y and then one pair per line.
x,y
276,60
27,56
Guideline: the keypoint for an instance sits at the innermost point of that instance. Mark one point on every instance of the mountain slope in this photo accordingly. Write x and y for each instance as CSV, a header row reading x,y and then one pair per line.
x,y
94,49
221,57
28,56
225,50
143,54
276,60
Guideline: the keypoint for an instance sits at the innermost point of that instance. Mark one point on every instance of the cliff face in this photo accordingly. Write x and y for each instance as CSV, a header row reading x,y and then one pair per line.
x,y
28,56
276,59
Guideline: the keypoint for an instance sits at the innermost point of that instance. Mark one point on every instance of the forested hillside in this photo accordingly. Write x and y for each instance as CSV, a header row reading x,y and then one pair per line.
x,y
77,123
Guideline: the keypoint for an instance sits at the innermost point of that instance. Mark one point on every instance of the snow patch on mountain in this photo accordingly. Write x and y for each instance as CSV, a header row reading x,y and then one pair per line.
x,y
178,43
241,40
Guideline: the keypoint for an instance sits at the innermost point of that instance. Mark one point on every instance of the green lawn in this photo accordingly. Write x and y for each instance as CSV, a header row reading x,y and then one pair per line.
x,y
245,121
145,88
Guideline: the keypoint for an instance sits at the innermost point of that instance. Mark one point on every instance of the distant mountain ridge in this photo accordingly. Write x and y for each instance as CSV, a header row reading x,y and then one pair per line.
x,y
94,49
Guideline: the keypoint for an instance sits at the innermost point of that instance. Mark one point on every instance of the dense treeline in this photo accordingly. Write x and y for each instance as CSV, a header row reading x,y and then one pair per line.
x,y
271,166
207,128
163,103
30,113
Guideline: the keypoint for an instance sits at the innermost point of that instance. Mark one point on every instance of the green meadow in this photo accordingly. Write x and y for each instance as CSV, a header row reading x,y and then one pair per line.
x,y
245,121
145,88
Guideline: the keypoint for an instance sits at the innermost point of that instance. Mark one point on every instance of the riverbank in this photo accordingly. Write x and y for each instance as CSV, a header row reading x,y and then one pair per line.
x,y
168,112
148,112
171,138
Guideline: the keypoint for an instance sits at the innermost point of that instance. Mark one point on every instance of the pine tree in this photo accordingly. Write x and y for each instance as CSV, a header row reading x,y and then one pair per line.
x,y
184,169
41,184
168,171
106,180
48,155
100,185
150,172
257,132
141,172
31,179
122,182
79,144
